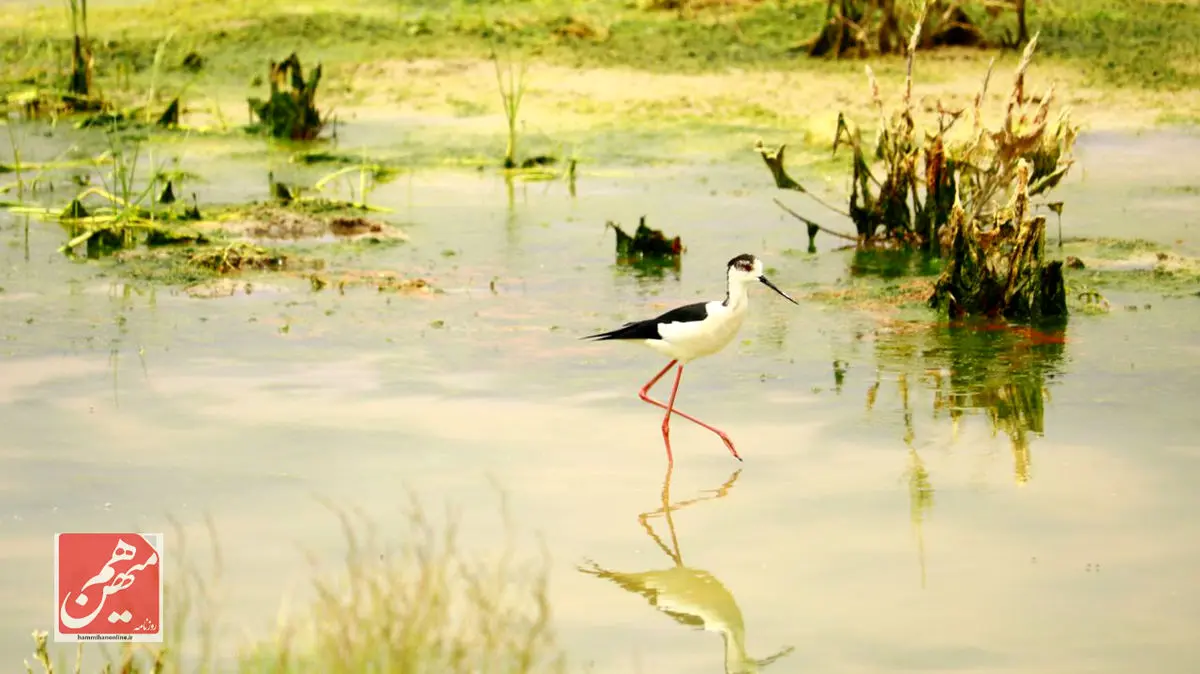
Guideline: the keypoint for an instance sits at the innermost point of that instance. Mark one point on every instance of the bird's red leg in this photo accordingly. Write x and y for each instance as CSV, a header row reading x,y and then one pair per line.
x,y
644,394
670,408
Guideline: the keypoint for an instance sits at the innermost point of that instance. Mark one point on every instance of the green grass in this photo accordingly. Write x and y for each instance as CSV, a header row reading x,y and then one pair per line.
x,y
1130,43
1138,43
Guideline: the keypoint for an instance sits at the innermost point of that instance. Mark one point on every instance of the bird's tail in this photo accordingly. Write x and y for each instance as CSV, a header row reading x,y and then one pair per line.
x,y
623,332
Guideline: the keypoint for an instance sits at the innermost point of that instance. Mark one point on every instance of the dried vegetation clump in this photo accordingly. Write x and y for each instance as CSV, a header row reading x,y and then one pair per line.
x,y
291,109
235,257
645,242
647,248
965,199
194,265
864,28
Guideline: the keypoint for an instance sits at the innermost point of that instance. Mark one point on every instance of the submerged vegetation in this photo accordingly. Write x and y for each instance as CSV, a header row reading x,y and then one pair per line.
x,y
135,221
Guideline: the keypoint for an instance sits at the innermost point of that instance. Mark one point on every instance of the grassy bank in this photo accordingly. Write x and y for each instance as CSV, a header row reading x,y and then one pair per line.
x,y
735,64
1140,43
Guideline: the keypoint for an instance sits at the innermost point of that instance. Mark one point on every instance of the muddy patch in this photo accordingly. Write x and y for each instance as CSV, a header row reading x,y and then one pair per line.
x,y
1130,265
189,265
228,287
276,223
383,281
877,298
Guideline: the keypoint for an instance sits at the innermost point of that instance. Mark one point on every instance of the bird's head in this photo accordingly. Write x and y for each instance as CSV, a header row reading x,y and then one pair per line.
x,y
746,269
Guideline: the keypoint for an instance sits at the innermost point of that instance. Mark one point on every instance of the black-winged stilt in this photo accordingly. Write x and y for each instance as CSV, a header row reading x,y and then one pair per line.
x,y
694,331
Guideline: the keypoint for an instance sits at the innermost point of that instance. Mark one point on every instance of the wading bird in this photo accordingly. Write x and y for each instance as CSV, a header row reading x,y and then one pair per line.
x,y
693,331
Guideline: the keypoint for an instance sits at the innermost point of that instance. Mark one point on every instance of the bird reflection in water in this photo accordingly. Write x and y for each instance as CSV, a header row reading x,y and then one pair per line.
x,y
692,597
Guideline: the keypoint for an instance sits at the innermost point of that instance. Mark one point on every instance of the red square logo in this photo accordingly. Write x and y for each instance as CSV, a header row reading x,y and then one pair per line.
x,y
108,587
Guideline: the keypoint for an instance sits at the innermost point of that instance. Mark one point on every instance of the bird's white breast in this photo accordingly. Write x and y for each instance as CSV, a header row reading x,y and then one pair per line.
x,y
695,339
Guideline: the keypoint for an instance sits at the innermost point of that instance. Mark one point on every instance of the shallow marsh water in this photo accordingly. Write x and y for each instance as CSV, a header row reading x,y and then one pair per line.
x,y
1071,548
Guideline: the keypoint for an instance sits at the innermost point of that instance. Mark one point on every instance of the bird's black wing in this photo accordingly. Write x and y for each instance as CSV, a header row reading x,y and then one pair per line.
x,y
648,329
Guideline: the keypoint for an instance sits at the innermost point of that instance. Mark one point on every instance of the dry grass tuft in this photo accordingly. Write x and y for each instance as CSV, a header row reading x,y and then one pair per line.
x,y
422,606
419,607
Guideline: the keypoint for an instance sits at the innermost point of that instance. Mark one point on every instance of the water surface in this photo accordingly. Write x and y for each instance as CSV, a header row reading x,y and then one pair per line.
x,y
913,497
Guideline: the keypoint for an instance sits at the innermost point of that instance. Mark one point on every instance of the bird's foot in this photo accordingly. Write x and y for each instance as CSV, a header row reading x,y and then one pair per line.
x,y
729,444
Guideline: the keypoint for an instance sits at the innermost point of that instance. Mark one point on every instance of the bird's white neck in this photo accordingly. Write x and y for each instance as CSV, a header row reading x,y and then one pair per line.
x,y
736,295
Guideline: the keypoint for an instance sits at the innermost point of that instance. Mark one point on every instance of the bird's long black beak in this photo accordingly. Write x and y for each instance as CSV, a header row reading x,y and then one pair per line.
x,y
772,287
